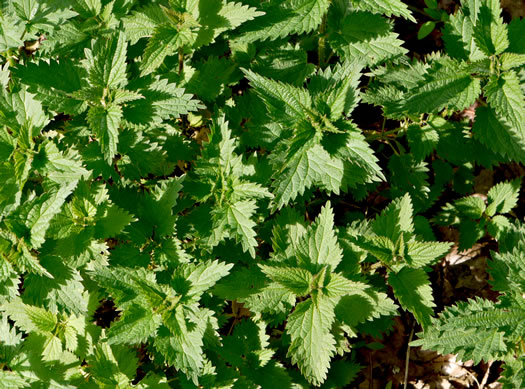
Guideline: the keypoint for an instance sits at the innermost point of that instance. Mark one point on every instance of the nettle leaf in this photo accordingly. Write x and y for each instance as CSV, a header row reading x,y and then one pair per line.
x,y
218,17
161,100
11,380
445,86
503,197
24,115
490,33
371,47
319,245
282,20
307,270
284,101
335,89
511,60
40,216
385,7
38,16
298,281
107,62
205,275
136,325
238,216
317,150
125,201
481,321
31,318
182,347
421,254
395,219
312,345
112,222
105,123
505,96
412,289
59,167
54,82
498,133
142,23
164,42
10,32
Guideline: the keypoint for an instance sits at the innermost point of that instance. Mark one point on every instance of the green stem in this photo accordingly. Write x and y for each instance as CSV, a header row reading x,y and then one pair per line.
x,y
181,60
383,134
322,43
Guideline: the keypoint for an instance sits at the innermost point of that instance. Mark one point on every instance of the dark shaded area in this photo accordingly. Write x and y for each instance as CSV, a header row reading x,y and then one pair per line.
x,y
105,314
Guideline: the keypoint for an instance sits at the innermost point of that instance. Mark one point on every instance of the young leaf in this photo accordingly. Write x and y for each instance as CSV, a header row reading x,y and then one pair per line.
x,y
503,197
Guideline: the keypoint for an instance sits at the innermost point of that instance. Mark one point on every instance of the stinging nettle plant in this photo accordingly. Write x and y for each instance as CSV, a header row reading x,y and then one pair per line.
x,y
193,195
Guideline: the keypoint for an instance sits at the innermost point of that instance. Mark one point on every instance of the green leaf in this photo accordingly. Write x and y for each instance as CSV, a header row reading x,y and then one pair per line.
x,y
422,140
105,122
53,83
516,30
112,222
471,206
385,7
490,33
39,218
503,197
505,96
497,226
218,17
448,86
59,167
136,325
280,21
425,29
472,330
238,216
164,42
40,16
22,114
511,60
395,219
296,280
371,47
11,380
308,165
182,348
107,62
335,89
470,231
88,8
312,344
284,101
421,254
499,134
162,100
205,275
412,289
142,23
30,318
319,245
360,306
52,350
10,33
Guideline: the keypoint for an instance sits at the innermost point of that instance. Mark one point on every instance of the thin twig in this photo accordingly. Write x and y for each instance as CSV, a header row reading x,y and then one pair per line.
x,y
486,376
407,359
474,378
370,369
